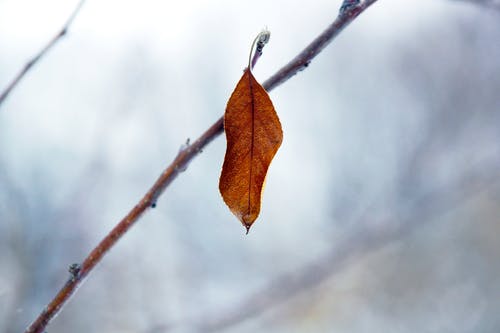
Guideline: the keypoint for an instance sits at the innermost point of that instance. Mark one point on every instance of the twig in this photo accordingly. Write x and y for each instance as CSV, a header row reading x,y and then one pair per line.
x,y
29,65
179,164
303,59
493,4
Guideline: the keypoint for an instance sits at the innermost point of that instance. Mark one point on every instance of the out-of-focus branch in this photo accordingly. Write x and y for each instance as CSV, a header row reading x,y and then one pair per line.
x,y
362,242
35,59
180,163
494,4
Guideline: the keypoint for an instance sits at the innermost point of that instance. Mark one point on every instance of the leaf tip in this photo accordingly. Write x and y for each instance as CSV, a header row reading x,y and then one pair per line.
x,y
247,226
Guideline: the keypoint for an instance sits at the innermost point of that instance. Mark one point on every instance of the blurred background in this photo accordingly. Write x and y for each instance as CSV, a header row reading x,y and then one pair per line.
x,y
381,210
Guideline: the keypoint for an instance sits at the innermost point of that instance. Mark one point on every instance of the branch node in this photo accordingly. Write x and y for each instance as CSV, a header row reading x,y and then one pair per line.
x,y
348,6
185,146
30,63
180,168
305,65
74,270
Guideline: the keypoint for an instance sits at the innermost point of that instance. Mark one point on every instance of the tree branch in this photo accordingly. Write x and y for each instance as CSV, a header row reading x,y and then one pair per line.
x,y
33,61
303,59
493,4
180,163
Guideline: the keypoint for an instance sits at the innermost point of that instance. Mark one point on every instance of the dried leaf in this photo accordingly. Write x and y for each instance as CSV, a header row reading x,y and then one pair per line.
x,y
254,134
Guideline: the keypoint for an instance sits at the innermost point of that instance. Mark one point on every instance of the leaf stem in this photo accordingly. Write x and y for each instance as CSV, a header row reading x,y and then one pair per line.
x,y
261,40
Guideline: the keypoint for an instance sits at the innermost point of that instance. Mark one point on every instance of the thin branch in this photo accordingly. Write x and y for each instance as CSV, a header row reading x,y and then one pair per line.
x,y
29,65
180,163
303,59
493,4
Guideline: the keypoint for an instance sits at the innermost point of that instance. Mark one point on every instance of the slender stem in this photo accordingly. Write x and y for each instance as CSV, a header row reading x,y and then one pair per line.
x,y
180,164
261,40
34,60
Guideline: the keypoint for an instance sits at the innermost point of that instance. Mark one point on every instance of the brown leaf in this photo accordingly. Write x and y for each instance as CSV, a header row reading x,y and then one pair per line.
x,y
254,134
